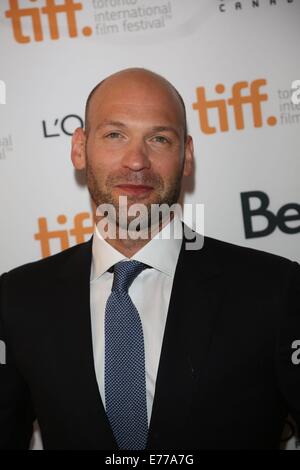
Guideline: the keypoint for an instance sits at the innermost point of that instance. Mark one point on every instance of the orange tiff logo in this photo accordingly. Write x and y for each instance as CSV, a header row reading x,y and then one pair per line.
x,y
78,231
51,9
242,93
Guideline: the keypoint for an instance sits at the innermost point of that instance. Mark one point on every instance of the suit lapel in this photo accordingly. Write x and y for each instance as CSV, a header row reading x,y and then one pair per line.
x,y
76,286
194,303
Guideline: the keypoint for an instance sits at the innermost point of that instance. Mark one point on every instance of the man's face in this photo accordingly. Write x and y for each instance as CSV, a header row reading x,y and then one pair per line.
x,y
135,144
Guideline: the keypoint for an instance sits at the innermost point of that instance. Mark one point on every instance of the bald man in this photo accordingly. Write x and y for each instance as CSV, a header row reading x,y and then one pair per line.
x,y
132,340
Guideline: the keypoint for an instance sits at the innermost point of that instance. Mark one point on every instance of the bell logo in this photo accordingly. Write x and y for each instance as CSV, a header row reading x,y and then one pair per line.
x,y
51,9
242,93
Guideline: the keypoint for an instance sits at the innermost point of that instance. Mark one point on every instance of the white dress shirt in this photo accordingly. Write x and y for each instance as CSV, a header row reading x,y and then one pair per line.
x,y
150,292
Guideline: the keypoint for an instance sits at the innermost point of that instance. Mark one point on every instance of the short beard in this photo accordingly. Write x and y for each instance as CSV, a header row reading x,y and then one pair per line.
x,y
166,197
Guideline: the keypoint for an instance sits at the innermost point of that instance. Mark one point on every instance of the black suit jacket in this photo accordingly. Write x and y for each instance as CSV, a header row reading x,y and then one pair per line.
x,y
225,380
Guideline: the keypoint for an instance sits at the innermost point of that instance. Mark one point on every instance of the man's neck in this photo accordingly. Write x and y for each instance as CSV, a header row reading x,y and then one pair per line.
x,y
128,246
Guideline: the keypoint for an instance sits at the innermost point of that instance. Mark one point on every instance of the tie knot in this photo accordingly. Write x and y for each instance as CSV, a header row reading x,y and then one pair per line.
x,y
125,272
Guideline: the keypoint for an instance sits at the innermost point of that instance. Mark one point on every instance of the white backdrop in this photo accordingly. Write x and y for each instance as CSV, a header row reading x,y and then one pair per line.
x,y
233,62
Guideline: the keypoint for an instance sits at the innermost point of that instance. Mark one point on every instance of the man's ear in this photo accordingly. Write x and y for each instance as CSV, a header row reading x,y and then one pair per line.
x,y
189,157
78,156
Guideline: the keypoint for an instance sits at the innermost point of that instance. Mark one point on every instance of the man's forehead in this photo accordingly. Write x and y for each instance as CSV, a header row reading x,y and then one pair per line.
x,y
134,96
129,113
136,91
126,105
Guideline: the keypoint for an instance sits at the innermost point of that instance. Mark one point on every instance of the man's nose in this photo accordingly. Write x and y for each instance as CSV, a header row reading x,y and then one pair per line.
x,y
136,156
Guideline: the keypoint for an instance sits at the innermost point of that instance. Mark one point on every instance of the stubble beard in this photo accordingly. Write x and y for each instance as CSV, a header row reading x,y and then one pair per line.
x,y
165,196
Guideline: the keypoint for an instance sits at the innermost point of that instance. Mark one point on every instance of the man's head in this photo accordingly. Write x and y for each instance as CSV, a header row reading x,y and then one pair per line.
x,y
135,134
141,72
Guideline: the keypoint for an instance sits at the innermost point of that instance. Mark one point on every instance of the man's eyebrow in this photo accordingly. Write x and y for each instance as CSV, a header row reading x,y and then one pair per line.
x,y
165,129
110,123
121,124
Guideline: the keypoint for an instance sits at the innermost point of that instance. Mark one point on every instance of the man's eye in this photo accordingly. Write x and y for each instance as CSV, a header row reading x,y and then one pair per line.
x,y
113,135
160,139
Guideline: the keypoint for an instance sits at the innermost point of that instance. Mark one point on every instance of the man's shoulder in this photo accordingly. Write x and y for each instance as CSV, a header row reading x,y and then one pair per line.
x,y
50,265
228,249
236,256
243,264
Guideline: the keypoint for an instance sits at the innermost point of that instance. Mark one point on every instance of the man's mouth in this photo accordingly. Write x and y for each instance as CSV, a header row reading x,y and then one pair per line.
x,y
137,189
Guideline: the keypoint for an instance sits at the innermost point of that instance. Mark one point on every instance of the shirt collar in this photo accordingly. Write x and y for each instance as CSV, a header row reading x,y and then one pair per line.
x,y
161,252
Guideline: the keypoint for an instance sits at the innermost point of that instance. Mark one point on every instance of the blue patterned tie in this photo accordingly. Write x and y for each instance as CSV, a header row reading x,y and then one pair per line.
x,y
124,371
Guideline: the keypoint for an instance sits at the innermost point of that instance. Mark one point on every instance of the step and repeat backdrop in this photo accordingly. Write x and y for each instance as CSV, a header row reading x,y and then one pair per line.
x,y
236,64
